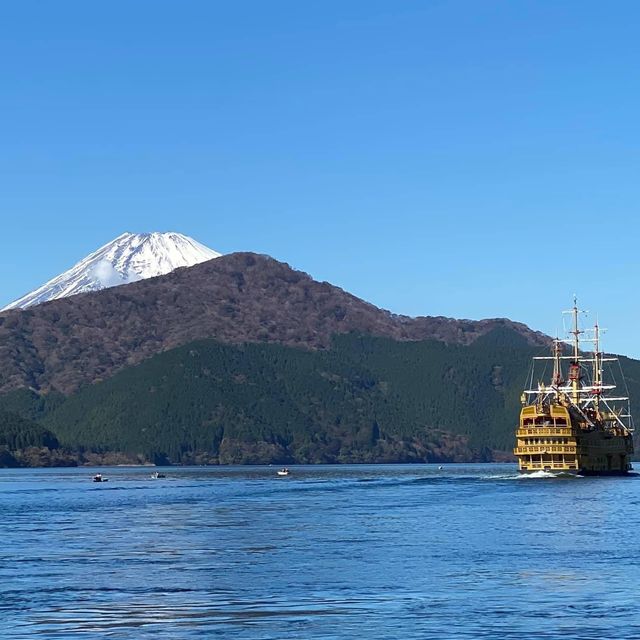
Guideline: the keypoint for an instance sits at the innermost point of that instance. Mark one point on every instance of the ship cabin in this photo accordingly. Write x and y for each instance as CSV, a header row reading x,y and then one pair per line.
x,y
546,441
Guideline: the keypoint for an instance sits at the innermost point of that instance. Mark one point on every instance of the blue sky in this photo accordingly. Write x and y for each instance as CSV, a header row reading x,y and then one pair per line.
x,y
462,158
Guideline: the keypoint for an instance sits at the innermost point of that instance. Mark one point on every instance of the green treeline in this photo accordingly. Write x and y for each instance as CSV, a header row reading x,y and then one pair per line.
x,y
18,433
366,399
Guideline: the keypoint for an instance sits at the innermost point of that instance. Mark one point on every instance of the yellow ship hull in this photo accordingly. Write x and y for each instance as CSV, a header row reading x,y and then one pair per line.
x,y
552,440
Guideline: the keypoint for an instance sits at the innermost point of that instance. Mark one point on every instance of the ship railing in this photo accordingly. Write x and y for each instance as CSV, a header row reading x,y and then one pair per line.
x,y
549,465
545,431
549,448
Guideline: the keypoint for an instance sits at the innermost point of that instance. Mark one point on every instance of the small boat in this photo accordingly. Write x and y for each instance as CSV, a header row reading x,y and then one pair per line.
x,y
156,475
100,478
283,472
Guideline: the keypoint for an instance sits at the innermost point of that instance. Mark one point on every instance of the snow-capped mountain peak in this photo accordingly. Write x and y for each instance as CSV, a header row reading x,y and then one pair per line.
x,y
130,257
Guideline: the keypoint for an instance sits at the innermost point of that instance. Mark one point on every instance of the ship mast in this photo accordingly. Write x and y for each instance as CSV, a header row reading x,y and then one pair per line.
x,y
557,371
590,399
574,367
597,367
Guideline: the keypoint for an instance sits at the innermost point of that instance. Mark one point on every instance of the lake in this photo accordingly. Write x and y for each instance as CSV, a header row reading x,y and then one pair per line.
x,y
383,551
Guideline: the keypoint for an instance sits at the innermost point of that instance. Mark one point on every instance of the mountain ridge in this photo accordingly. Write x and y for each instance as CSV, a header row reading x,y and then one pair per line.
x,y
238,298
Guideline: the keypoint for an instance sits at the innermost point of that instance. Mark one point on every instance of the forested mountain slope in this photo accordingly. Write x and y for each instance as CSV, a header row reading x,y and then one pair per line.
x,y
365,398
239,298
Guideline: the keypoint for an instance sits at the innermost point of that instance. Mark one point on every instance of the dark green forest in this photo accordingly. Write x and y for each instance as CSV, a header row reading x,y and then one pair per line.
x,y
18,433
365,399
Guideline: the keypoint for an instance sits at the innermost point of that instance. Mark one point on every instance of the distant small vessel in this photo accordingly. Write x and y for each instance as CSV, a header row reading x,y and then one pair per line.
x,y
100,478
283,472
575,425
440,468
157,475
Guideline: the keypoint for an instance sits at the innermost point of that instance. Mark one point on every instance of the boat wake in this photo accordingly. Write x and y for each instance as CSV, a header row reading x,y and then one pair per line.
x,y
546,474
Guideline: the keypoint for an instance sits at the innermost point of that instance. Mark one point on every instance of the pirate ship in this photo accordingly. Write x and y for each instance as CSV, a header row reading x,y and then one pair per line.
x,y
576,424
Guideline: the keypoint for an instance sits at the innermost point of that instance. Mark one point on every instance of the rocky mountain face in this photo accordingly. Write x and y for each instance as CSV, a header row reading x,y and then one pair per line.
x,y
128,258
239,298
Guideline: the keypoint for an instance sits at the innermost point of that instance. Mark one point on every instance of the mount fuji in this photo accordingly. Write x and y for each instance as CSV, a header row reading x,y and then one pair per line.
x,y
130,257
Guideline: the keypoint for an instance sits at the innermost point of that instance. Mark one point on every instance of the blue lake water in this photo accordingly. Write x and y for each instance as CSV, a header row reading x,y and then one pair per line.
x,y
470,551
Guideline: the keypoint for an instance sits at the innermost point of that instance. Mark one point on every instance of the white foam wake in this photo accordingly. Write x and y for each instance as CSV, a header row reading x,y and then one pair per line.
x,y
547,474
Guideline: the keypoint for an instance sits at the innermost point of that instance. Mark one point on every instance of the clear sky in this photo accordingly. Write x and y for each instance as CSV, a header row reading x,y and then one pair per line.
x,y
471,158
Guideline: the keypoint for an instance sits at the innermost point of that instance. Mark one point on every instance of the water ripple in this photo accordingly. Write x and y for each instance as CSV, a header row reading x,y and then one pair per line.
x,y
465,552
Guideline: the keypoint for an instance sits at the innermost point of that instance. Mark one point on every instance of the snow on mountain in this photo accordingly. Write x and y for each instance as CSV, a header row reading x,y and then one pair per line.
x,y
130,257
